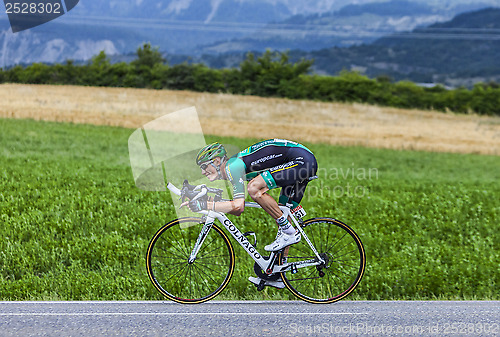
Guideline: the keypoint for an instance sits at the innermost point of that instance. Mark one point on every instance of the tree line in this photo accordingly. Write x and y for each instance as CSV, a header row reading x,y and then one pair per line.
x,y
270,75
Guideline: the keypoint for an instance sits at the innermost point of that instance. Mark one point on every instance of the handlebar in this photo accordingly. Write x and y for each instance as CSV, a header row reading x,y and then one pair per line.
x,y
194,192
174,189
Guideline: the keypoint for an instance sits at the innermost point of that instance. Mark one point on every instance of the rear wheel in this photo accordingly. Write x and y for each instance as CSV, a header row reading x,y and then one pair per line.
x,y
177,279
344,262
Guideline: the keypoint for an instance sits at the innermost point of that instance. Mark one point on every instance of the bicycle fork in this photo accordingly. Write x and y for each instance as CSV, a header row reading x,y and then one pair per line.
x,y
201,238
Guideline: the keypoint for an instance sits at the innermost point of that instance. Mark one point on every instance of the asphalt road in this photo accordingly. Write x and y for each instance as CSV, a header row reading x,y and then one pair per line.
x,y
251,318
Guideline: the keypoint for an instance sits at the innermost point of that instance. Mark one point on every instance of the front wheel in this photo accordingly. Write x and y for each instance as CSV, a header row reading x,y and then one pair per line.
x,y
178,279
344,262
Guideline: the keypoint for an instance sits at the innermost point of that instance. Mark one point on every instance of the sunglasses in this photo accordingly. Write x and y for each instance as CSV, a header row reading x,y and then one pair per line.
x,y
205,165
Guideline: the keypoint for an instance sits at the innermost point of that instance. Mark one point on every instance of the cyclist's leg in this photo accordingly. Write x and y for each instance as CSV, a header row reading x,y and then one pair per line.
x,y
295,182
308,171
284,200
286,177
292,178
257,189
292,195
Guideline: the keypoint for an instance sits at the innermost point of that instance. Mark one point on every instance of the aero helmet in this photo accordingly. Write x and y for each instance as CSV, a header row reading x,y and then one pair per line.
x,y
209,152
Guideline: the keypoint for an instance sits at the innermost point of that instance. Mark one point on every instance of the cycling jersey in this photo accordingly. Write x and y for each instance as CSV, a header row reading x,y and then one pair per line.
x,y
282,163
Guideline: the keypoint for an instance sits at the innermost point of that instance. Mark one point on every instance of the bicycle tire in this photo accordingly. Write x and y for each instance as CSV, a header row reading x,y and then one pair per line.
x,y
345,258
176,279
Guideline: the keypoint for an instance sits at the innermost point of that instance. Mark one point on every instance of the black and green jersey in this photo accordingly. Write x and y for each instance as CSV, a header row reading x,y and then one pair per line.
x,y
272,154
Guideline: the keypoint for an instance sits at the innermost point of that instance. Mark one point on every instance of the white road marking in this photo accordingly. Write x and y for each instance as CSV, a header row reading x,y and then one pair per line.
x,y
166,302
53,304
176,313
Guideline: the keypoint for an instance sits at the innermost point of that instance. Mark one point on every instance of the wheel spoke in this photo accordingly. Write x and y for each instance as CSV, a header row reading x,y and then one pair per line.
x,y
343,236
206,274
174,244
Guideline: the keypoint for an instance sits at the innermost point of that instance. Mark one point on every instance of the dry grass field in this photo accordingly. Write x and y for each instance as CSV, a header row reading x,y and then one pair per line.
x,y
248,116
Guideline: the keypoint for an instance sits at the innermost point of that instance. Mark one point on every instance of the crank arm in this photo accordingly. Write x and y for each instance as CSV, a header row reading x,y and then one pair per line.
x,y
296,265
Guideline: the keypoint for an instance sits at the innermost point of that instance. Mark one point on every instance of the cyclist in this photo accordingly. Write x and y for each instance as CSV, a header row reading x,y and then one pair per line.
x,y
265,165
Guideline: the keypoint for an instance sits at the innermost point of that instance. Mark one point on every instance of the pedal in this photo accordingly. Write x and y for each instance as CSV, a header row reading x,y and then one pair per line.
x,y
261,285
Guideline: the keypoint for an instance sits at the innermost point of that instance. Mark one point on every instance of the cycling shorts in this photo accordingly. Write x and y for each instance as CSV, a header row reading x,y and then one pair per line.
x,y
292,176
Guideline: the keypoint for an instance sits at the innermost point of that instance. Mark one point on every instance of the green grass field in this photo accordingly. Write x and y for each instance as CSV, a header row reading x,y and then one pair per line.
x,y
76,227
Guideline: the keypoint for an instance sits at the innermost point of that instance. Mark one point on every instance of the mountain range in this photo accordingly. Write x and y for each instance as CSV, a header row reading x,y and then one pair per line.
x,y
214,26
459,52
391,37
353,24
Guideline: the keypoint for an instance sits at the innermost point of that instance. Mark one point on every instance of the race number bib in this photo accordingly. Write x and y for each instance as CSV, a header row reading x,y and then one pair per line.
x,y
299,212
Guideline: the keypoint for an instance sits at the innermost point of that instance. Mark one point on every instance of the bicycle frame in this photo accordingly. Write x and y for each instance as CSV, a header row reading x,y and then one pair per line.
x,y
266,265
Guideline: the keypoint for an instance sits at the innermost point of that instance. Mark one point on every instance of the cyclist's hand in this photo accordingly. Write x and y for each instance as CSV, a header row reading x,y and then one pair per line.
x,y
198,205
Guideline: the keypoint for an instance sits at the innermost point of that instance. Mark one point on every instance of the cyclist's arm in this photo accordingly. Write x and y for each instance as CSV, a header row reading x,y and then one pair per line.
x,y
234,207
235,173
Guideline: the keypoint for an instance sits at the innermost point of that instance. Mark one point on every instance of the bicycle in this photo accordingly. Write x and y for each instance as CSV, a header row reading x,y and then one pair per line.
x,y
189,264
